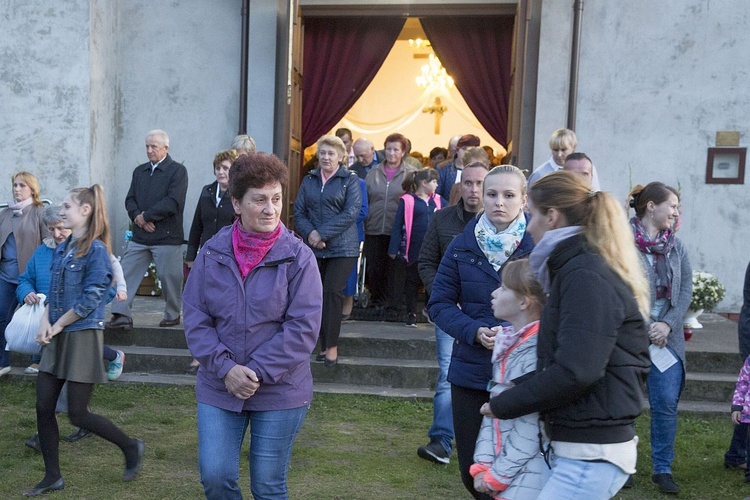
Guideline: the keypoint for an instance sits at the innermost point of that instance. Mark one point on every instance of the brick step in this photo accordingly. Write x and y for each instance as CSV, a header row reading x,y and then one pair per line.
x,y
710,387
713,362
383,372
370,339
161,379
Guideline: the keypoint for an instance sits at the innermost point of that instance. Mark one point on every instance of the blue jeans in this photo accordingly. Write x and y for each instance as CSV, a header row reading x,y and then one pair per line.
x,y
8,305
220,437
582,479
442,414
663,395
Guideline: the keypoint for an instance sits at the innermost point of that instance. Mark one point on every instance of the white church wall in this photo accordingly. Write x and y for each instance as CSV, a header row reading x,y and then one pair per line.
x,y
178,70
44,95
656,84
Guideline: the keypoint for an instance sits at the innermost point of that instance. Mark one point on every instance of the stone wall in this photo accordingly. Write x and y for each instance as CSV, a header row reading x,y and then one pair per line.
x,y
656,84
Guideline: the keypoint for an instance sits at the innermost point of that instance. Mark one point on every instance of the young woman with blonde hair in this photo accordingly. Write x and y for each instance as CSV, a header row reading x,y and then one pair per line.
x,y
592,341
460,304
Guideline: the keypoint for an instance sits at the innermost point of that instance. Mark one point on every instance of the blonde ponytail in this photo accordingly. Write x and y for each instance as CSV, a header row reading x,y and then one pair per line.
x,y
609,234
605,226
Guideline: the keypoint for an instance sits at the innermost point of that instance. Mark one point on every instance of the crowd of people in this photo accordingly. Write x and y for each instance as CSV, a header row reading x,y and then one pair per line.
x,y
552,312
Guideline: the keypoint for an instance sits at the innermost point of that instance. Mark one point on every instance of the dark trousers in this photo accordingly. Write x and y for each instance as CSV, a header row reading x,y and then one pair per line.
x,y
737,453
404,285
333,274
48,389
379,267
7,308
466,423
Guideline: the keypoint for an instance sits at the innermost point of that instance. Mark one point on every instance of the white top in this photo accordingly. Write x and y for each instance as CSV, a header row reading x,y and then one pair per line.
x,y
550,166
622,455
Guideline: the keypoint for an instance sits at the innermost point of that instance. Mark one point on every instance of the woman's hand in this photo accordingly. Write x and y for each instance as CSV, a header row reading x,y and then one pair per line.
x,y
658,333
315,240
241,382
31,299
487,411
486,336
121,296
736,417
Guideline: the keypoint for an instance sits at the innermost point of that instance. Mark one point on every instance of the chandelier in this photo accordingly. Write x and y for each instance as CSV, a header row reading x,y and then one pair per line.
x,y
419,44
434,77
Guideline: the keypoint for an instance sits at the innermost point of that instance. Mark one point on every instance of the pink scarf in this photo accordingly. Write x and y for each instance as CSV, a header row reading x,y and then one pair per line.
x,y
250,248
18,207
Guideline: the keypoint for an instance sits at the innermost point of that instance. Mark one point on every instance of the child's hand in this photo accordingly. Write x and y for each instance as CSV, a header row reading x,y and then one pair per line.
x,y
121,296
479,483
736,417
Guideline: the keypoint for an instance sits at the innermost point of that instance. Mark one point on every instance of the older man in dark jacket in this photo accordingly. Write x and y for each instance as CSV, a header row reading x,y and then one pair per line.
x,y
444,225
155,203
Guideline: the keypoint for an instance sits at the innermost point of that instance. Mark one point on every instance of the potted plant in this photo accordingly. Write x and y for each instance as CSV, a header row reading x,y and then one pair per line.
x,y
707,293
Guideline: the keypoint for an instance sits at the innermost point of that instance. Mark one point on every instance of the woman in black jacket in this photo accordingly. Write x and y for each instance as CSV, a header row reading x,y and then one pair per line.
x,y
325,215
214,211
593,341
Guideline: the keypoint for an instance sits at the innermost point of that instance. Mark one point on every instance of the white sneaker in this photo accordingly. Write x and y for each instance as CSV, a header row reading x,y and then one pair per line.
x,y
4,370
31,370
114,370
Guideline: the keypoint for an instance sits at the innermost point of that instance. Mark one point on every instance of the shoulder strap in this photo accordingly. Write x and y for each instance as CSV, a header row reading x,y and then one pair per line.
x,y
408,220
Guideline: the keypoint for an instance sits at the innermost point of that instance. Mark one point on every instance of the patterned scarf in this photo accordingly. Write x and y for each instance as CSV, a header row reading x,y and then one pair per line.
x,y
250,248
496,245
659,248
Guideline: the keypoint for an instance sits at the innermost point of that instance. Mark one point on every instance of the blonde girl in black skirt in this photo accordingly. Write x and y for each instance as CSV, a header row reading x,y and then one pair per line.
x,y
72,331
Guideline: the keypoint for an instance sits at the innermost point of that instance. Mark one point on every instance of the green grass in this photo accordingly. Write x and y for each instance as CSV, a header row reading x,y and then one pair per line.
x,y
350,447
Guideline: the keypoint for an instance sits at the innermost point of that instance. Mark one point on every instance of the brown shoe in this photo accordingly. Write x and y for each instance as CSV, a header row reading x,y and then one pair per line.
x,y
169,322
119,322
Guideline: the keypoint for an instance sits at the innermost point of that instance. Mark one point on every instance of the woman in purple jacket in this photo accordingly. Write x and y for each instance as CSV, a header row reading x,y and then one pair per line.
x,y
252,306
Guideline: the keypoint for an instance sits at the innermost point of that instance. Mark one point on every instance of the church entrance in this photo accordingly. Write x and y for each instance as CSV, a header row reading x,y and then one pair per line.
x,y
339,66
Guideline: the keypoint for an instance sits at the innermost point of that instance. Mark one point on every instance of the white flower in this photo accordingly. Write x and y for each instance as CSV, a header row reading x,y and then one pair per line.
x,y
707,291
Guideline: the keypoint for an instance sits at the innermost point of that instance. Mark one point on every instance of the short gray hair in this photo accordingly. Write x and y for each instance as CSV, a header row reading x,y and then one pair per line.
x,y
244,141
51,215
159,133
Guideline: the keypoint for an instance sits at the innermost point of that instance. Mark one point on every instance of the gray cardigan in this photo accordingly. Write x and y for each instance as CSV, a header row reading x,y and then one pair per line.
x,y
682,293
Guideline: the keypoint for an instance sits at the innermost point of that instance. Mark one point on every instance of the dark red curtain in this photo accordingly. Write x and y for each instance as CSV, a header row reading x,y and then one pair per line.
x,y
341,57
476,52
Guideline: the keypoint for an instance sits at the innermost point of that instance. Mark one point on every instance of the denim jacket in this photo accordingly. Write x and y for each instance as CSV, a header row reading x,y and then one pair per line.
x,y
80,284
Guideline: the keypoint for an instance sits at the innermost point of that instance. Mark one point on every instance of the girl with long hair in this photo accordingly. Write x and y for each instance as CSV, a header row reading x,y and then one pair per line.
x,y
72,333
415,208
592,340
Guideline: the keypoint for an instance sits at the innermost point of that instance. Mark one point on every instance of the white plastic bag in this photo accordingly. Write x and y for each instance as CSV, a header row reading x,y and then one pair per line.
x,y
22,329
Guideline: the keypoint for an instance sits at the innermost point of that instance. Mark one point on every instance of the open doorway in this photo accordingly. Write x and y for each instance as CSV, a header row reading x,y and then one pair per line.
x,y
413,94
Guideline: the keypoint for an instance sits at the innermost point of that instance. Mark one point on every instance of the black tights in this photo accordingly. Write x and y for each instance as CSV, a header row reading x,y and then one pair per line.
x,y
79,394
